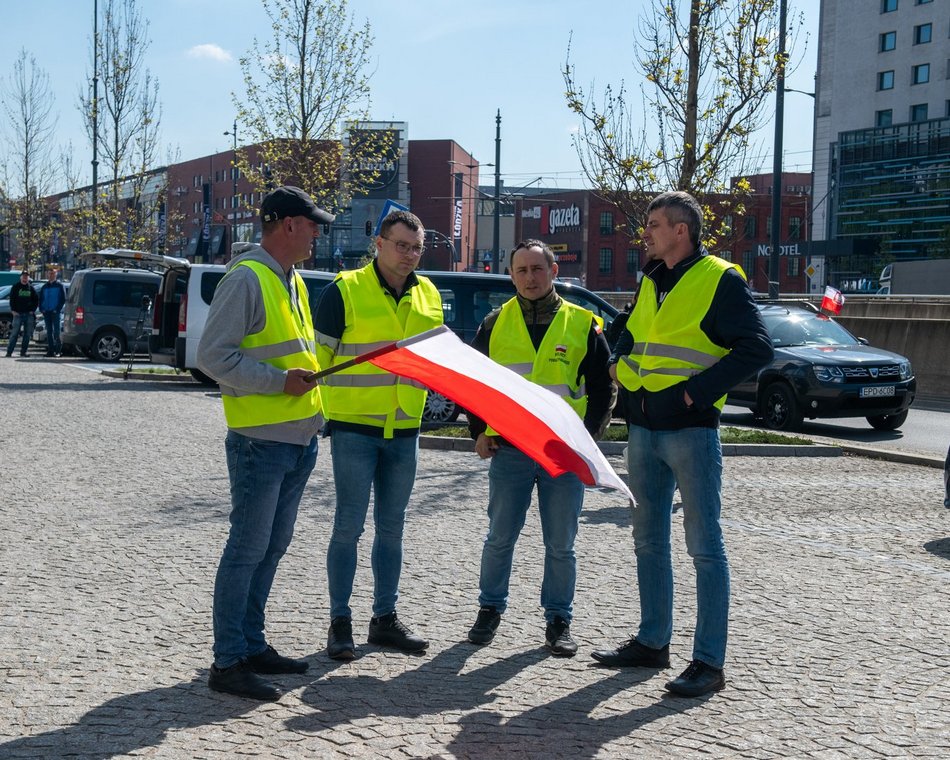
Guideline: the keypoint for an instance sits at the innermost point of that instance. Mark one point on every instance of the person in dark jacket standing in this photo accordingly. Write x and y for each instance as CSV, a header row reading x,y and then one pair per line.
x,y
561,347
52,299
694,333
23,303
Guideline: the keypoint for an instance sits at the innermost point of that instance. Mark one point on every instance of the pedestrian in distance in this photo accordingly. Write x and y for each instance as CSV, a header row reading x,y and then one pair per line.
x,y
561,347
373,420
23,304
52,299
258,344
693,334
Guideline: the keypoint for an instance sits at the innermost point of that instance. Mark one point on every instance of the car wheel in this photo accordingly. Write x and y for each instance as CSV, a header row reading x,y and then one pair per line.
x,y
201,377
439,408
107,346
6,324
780,409
888,421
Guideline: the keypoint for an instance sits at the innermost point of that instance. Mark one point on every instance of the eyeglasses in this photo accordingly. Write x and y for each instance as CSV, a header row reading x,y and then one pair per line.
x,y
405,248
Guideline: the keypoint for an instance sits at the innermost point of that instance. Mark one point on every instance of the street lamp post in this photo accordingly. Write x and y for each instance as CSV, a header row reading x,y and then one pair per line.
x,y
496,225
234,190
777,162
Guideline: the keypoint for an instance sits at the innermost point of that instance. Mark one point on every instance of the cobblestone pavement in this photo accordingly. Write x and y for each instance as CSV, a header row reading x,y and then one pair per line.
x,y
114,511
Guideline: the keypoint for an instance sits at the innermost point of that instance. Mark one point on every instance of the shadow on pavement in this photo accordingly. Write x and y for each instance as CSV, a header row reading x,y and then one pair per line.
x,y
939,548
132,722
110,384
563,727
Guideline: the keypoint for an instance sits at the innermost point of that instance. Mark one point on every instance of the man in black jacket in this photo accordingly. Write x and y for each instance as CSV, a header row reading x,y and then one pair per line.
x,y
694,333
23,303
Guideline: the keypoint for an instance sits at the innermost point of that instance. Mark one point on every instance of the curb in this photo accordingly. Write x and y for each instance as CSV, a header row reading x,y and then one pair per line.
x,y
164,377
617,448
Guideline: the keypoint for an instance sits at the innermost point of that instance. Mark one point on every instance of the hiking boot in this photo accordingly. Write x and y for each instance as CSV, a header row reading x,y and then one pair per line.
x,y
633,654
485,626
340,644
389,631
557,638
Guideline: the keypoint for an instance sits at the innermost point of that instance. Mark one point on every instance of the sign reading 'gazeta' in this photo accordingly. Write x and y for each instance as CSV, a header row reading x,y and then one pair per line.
x,y
554,219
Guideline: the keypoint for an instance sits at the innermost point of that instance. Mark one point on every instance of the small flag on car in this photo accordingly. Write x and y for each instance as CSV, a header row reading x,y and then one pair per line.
x,y
832,301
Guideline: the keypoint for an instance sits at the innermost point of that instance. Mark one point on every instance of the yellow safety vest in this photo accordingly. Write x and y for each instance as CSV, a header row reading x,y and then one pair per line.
x,y
365,394
286,341
669,346
556,363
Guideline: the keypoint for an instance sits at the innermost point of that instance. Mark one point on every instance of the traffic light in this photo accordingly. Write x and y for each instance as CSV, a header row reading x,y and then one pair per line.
x,y
369,228
486,268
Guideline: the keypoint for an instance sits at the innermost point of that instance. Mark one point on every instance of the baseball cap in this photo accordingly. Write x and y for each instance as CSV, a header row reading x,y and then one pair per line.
x,y
292,201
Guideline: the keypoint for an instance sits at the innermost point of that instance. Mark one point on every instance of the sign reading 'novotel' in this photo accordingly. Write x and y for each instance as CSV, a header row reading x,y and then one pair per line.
x,y
783,250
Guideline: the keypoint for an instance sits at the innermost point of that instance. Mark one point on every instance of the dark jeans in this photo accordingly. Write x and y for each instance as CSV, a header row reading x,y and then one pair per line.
x,y
53,343
25,323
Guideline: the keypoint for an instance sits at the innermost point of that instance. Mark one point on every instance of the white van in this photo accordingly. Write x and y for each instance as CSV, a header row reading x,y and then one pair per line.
x,y
181,310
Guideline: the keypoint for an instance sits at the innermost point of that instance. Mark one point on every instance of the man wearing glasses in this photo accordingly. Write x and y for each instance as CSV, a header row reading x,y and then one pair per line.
x,y
373,424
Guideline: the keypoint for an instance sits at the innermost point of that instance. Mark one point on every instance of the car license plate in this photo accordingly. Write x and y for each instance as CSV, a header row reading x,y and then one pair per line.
x,y
871,391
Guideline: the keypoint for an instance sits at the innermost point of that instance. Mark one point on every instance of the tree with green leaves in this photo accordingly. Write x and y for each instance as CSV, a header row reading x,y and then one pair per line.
x,y
304,89
28,168
128,113
708,68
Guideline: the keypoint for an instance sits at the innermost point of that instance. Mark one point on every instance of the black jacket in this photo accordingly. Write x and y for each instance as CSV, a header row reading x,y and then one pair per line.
x,y
733,321
601,392
23,299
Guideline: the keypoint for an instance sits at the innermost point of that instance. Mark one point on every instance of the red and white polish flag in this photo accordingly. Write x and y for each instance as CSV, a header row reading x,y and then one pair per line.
x,y
531,418
833,300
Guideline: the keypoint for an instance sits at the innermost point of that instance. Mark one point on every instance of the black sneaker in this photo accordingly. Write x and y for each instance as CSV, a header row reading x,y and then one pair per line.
x,y
270,662
633,654
241,681
485,626
557,638
389,631
340,644
698,679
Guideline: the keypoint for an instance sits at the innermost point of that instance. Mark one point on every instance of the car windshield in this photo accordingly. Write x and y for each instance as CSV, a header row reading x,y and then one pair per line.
x,y
803,329
5,291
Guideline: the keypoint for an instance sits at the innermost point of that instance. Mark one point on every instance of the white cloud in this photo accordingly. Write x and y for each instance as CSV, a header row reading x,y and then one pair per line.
x,y
211,52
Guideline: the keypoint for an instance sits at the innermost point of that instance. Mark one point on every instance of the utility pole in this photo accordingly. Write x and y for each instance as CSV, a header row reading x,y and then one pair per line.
x,y
234,178
776,236
95,123
496,228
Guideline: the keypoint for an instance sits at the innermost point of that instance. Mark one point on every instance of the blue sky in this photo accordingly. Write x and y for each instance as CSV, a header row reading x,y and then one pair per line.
x,y
443,66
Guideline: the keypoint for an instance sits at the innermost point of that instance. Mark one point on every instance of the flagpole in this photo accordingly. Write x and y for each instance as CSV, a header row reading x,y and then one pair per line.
x,y
369,355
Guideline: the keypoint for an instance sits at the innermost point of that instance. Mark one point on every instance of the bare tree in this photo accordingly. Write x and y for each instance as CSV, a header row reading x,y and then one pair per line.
x,y
29,171
129,114
302,88
708,66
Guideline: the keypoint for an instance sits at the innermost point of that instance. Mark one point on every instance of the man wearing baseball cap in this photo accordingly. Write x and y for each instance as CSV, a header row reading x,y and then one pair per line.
x,y
258,344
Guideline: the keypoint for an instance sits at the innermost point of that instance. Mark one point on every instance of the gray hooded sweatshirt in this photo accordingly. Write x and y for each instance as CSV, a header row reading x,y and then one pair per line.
x,y
237,310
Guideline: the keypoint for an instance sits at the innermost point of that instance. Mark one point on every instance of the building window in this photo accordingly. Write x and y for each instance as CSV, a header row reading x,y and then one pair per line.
x,y
794,228
748,263
793,266
923,2
750,227
725,255
922,73
727,223
606,223
918,112
885,80
884,118
606,261
922,34
888,6
633,261
888,41
768,227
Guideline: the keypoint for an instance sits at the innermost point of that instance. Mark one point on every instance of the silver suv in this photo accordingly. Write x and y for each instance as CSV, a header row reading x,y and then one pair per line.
x,y
106,314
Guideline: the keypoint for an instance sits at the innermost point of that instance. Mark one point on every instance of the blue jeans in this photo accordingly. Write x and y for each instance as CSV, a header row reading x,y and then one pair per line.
x,y
658,462
388,466
23,322
511,479
267,481
53,343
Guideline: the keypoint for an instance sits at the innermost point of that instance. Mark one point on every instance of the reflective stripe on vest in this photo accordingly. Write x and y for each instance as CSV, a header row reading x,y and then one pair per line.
x,y
285,341
365,394
669,345
556,363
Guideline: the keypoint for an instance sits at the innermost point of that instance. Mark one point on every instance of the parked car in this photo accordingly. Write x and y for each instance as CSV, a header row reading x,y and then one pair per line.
x,y
103,310
6,314
821,370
